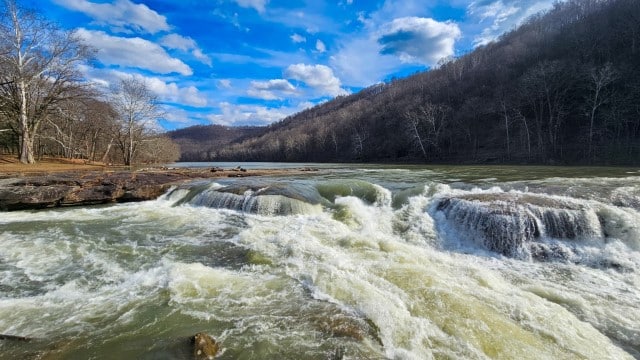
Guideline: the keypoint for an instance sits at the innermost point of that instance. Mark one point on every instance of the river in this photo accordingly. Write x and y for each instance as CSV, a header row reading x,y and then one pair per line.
x,y
346,262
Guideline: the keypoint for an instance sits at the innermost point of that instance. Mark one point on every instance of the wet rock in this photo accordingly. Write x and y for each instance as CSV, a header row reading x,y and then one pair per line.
x,y
348,326
31,197
14,338
67,189
205,347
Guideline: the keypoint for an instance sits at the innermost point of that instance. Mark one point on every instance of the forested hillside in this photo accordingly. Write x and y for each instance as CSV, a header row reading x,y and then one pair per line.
x,y
562,88
203,142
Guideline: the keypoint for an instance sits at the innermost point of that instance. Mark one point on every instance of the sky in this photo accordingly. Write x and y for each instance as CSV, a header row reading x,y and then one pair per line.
x,y
254,62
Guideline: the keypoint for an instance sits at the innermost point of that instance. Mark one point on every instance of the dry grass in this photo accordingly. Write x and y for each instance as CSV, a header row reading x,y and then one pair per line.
x,y
10,165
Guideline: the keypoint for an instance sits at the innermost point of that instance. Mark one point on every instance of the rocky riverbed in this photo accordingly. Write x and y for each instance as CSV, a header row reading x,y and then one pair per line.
x,y
48,190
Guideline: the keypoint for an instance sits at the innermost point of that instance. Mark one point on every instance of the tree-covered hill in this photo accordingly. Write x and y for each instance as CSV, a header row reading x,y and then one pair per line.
x,y
202,142
562,88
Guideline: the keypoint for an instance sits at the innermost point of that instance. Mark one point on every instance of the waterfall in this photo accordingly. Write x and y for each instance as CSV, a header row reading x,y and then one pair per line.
x,y
516,224
267,200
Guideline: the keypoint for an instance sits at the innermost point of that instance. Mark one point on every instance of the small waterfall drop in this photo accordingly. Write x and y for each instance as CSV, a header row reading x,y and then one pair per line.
x,y
275,199
526,225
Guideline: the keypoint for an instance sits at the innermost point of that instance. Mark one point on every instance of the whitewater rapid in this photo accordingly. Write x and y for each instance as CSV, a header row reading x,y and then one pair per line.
x,y
332,267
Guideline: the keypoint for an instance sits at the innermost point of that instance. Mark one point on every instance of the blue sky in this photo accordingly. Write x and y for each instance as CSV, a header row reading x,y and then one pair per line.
x,y
253,62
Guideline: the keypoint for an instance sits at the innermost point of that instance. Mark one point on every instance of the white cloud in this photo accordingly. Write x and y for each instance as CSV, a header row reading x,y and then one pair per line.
x,y
320,46
420,40
133,52
367,57
167,91
185,43
224,84
173,93
319,77
502,15
259,5
175,41
232,114
358,61
123,15
178,116
266,90
296,38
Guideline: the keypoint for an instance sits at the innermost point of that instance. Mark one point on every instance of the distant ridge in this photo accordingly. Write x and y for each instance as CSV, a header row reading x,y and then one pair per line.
x,y
563,88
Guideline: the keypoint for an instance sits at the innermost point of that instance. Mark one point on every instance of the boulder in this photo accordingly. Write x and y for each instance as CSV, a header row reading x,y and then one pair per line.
x,y
205,347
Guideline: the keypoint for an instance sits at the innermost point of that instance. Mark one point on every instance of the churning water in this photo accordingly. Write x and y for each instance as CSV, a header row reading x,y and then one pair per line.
x,y
377,263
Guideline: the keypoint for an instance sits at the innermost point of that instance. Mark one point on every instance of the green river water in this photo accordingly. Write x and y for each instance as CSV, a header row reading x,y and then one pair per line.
x,y
347,262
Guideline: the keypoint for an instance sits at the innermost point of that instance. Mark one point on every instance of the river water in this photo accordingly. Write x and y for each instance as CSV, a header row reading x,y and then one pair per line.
x,y
347,262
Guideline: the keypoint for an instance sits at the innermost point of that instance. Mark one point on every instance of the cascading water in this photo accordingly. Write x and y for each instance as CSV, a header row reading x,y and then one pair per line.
x,y
399,265
272,199
525,225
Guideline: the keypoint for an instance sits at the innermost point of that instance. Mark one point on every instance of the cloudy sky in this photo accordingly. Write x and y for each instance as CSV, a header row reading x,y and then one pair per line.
x,y
253,62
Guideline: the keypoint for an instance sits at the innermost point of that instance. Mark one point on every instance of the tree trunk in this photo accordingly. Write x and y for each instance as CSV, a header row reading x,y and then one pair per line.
x,y
106,153
26,146
417,134
506,126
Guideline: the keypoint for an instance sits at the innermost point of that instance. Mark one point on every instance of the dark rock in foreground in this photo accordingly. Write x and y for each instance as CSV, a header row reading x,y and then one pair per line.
x,y
205,347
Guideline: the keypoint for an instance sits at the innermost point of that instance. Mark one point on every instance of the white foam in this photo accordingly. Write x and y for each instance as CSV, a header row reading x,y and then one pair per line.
x,y
385,265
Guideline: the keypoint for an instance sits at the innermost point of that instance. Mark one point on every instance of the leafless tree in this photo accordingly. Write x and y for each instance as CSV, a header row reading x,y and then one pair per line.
x,y
599,94
38,63
137,109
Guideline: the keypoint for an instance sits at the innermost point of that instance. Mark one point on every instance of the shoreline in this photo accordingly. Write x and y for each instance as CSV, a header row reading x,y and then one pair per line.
x,y
44,187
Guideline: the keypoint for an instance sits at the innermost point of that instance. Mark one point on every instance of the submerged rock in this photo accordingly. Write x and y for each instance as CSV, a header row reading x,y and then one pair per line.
x,y
205,347
348,326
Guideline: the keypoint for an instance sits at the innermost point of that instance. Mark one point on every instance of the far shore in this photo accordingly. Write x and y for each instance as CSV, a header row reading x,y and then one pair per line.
x,y
11,167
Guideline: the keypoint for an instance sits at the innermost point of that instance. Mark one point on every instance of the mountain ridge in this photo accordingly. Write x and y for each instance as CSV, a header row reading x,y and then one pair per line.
x,y
562,88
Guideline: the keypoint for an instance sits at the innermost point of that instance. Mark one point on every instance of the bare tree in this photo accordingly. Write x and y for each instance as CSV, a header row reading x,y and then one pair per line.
x,y
138,109
599,94
159,149
413,121
39,69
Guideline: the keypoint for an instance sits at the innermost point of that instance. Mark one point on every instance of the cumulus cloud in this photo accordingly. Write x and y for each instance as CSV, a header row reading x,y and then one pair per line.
x,y
421,40
358,62
259,5
122,15
185,43
133,52
167,91
297,38
266,90
502,15
319,77
235,115
320,46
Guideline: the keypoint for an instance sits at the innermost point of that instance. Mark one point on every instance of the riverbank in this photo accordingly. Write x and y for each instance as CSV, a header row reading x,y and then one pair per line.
x,y
58,183
10,166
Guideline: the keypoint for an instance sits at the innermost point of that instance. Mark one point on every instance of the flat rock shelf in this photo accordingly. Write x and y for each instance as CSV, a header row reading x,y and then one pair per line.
x,y
40,191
